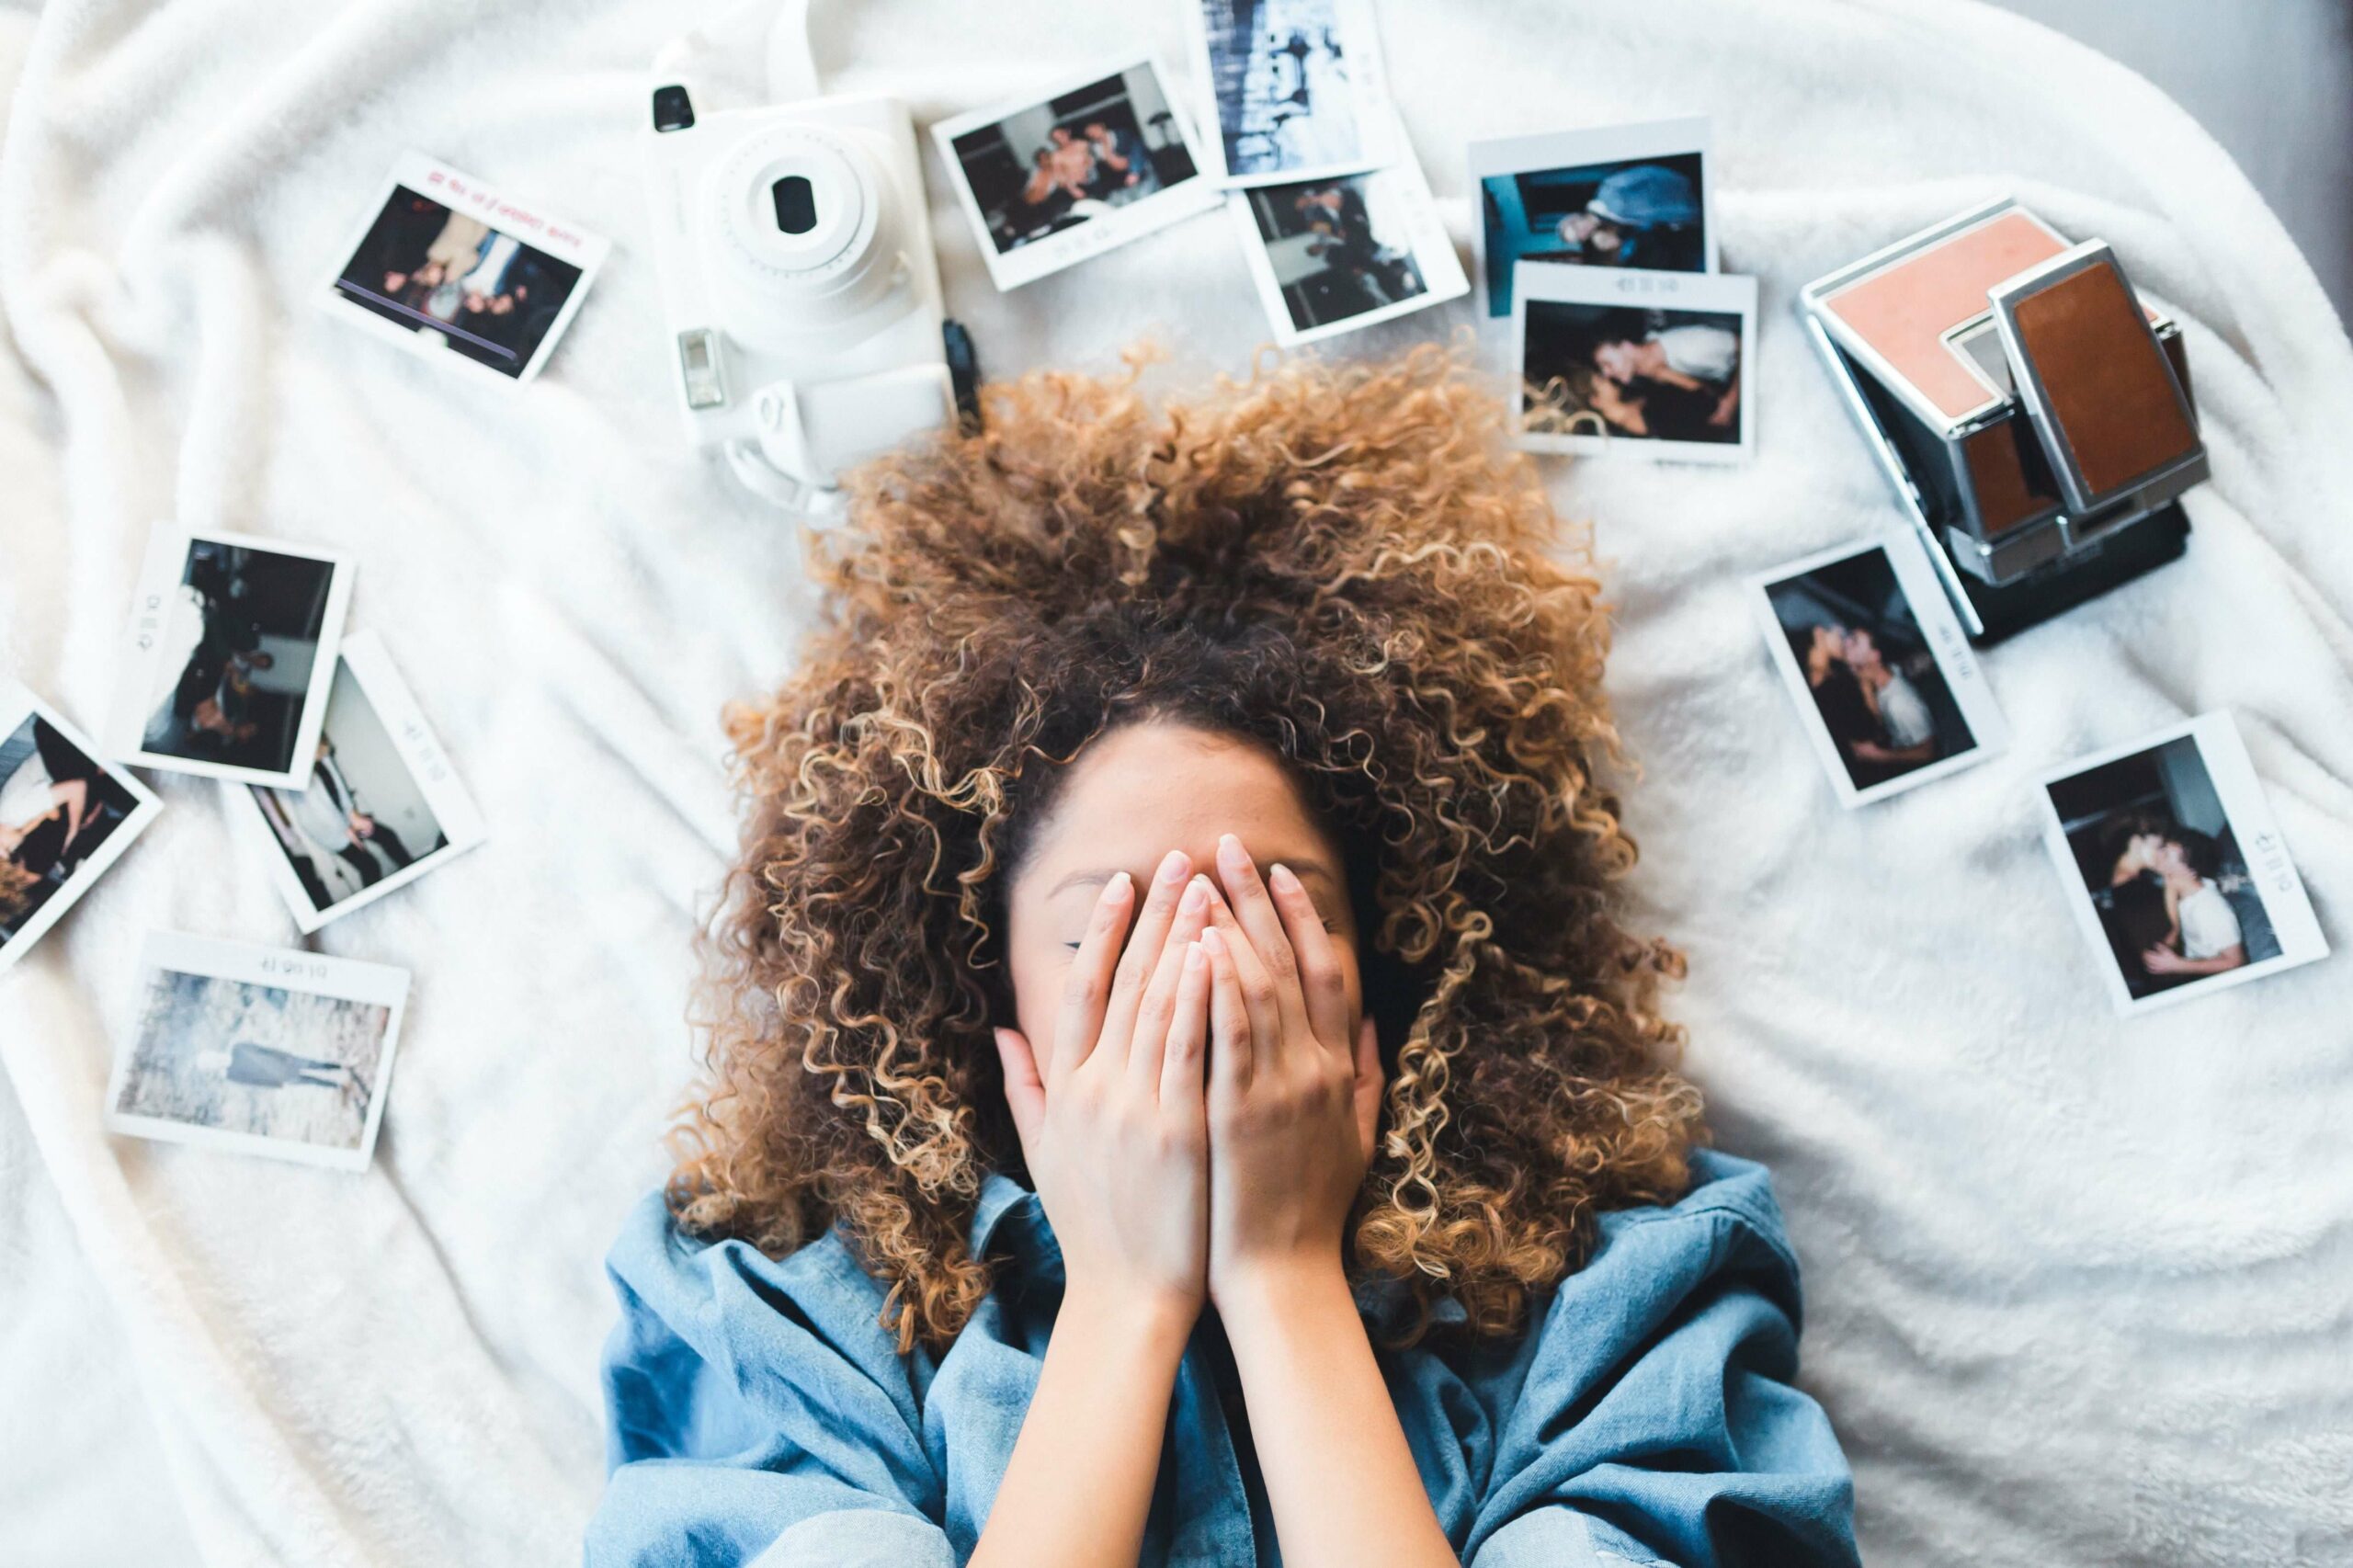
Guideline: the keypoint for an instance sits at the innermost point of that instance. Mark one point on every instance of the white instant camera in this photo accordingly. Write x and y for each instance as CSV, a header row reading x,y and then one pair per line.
x,y
798,278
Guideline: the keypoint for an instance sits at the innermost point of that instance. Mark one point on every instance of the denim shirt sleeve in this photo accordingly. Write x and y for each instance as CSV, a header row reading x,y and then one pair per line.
x,y
718,1457
1656,1421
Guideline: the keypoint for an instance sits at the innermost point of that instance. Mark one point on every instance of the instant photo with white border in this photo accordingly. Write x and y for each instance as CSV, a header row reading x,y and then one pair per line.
x,y
1401,193
2270,873
18,707
414,748
370,987
1111,226
157,649
1704,293
536,227
1940,631
1375,138
1561,150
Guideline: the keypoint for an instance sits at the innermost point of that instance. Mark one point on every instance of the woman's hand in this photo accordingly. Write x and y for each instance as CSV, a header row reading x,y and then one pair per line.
x,y
1293,1094
1294,1084
1115,1129
1116,1139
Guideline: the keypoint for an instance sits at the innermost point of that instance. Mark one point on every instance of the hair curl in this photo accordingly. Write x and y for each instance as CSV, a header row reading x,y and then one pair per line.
x,y
1345,564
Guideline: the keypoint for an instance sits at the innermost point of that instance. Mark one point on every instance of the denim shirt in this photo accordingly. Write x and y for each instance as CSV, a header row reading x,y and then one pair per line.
x,y
758,1412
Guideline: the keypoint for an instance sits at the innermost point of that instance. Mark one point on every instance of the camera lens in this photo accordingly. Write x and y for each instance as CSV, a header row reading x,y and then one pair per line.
x,y
673,110
796,204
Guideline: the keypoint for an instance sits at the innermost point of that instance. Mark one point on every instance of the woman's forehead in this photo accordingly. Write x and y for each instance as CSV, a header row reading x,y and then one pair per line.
x,y
1137,793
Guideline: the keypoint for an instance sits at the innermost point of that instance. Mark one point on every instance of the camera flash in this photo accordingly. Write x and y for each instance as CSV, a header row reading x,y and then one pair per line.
x,y
698,361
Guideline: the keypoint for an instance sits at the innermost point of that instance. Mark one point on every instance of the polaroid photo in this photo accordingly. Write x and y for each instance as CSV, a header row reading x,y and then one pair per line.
x,y
383,807
232,650
65,817
1331,256
261,1050
2176,872
1654,364
1089,161
448,267
1628,196
1882,674
1292,90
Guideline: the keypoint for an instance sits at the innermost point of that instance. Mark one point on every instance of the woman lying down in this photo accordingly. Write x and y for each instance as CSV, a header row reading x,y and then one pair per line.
x,y
1179,1094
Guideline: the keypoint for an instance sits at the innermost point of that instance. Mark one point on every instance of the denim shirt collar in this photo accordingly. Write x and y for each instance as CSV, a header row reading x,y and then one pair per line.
x,y
1010,1217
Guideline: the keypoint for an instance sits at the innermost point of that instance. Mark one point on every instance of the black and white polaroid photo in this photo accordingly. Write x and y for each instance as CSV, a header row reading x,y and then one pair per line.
x,y
384,806
260,1050
1330,256
446,265
1652,364
1613,196
230,650
1089,161
1293,89
65,817
1890,691
2176,872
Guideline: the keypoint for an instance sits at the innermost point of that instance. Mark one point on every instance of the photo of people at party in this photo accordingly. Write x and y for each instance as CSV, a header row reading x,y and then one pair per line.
x,y
1338,247
1640,212
2152,838
1871,673
490,297
1287,99
241,633
1075,157
59,806
365,817
1608,369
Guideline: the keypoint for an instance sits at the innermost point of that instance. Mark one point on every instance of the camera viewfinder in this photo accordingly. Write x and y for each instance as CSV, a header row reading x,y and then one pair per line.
x,y
673,110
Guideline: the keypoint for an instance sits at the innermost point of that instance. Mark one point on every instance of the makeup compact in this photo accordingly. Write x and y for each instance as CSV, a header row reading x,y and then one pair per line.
x,y
2032,413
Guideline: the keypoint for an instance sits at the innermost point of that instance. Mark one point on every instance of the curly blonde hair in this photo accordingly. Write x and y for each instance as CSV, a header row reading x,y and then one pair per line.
x,y
1345,564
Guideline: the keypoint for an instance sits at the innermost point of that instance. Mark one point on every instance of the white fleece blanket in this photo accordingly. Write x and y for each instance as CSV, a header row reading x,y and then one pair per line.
x,y
2080,1292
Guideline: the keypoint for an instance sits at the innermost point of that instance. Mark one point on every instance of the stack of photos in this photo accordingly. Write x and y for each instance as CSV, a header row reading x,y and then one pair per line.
x,y
233,644
237,669
1882,674
1333,213
262,1051
445,266
2177,873
64,818
382,807
1086,163
1599,248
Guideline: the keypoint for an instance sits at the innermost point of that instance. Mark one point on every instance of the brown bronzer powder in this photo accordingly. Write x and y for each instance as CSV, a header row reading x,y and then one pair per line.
x,y
2104,382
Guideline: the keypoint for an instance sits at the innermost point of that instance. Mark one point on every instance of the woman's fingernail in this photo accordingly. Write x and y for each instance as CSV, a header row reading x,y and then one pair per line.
x,y
1192,957
1115,886
1196,895
1173,868
1281,878
1212,941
